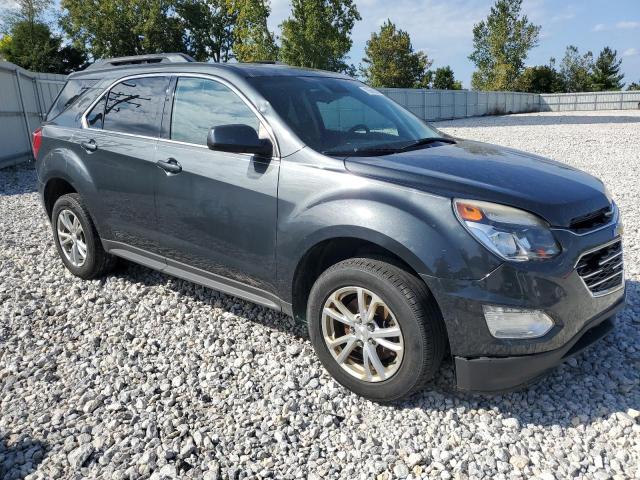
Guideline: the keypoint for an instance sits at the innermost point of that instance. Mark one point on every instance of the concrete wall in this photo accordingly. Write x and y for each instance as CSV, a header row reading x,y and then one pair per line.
x,y
432,105
25,98
562,102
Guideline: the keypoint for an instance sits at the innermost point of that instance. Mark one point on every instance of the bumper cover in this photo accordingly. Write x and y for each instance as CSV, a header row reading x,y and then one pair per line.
x,y
499,374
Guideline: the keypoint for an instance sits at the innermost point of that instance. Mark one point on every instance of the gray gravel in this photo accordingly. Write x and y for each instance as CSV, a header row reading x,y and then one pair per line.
x,y
141,375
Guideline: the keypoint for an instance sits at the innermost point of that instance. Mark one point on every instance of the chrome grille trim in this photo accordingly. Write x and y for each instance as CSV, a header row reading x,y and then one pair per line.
x,y
597,270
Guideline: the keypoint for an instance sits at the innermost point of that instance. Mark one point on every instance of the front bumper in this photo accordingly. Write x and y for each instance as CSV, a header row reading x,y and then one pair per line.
x,y
486,363
498,374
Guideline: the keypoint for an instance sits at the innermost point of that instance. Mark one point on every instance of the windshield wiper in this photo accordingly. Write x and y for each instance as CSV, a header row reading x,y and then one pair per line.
x,y
389,150
425,141
362,151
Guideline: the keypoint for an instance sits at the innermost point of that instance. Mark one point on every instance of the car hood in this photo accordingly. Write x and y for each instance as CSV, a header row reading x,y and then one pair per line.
x,y
473,170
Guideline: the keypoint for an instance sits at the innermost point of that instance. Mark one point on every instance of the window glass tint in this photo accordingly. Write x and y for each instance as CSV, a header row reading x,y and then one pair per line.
x,y
339,115
71,91
201,104
95,118
349,114
135,106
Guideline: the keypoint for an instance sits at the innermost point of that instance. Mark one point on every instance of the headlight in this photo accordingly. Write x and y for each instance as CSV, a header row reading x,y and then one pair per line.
x,y
508,232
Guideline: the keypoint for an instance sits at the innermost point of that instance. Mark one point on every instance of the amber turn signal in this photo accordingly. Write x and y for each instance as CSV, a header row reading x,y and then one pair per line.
x,y
469,212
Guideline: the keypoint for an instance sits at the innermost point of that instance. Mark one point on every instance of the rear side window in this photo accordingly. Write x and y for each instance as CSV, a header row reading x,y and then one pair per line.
x,y
71,91
135,106
200,104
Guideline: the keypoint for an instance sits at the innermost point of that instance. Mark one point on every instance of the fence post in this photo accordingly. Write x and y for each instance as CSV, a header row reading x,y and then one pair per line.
x,y
424,104
24,110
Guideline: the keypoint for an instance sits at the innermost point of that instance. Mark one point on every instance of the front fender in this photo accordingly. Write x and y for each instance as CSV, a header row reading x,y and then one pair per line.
x,y
317,204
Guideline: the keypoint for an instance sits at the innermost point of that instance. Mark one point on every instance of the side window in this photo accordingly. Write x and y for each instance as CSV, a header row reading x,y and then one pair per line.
x,y
200,104
95,118
135,106
71,91
347,112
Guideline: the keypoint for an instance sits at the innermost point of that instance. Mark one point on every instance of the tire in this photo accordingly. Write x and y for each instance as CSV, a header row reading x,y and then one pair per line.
x,y
96,262
411,307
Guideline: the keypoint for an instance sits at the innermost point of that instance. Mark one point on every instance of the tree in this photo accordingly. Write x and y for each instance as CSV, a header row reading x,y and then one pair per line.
x,y
5,43
540,79
500,46
29,11
576,69
113,28
252,39
391,61
208,28
606,71
443,79
29,42
633,86
318,34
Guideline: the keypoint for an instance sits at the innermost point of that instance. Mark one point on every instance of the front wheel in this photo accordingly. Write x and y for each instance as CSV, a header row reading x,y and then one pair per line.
x,y
376,328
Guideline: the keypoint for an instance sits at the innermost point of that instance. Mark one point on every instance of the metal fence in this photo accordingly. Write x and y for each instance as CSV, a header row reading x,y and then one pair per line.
x,y
25,98
562,102
432,105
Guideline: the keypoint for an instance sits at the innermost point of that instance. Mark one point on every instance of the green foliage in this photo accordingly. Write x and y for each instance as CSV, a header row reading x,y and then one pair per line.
x,y
207,27
606,71
112,28
391,61
633,86
30,11
444,79
252,40
318,34
576,70
540,79
34,47
500,46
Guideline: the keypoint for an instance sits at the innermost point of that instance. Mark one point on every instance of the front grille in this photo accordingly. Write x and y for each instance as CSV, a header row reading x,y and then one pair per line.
x,y
592,220
602,270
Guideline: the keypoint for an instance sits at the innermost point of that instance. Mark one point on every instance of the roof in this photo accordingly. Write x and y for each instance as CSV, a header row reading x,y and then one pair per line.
x,y
240,69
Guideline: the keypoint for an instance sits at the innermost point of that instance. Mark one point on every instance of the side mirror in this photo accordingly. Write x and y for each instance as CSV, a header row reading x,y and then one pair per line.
x,y
238,138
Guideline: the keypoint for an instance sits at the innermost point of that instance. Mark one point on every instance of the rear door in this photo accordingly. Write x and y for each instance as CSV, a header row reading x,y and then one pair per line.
x,y
218,215
118,145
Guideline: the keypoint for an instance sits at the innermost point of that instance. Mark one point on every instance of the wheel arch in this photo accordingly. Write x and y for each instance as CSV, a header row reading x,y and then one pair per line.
x,y
331,249
54,188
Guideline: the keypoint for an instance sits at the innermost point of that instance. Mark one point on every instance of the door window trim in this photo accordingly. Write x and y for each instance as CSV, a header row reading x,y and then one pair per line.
x,y
170,75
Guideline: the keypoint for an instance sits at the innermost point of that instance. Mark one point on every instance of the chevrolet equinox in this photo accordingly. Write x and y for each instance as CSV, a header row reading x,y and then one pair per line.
x,y
313,194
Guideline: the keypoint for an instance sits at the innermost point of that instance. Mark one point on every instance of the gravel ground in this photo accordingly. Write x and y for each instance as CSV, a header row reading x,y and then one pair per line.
x,y
140,374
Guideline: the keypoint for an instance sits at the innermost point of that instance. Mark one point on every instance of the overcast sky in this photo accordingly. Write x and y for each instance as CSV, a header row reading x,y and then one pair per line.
x,y
443,28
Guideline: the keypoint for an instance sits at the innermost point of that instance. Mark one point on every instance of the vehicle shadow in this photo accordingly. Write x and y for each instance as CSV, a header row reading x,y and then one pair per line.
x,y
601,381
544,119
18,179
236,306
20,456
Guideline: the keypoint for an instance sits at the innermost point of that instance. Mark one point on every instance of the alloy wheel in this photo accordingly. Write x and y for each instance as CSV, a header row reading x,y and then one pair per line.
x,y
71,237
362,334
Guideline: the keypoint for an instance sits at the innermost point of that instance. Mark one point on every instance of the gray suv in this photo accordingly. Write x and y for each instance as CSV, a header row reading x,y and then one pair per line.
x,y
313,194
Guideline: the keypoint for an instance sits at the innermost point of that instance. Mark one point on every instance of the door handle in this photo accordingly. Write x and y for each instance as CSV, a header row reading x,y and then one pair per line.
x,y
170,165
90,146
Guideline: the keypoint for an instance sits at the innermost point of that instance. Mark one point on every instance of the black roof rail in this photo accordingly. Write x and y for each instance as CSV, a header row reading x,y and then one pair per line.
x,y
140,60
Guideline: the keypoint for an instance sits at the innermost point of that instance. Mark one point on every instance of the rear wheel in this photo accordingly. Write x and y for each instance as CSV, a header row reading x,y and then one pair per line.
x,y
376,328
77,239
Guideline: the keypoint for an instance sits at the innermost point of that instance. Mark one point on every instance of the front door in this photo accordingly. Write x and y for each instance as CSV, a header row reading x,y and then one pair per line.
x,y
218,214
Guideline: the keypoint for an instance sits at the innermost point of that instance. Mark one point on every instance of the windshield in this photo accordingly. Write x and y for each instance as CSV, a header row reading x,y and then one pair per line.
x,y
339,116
